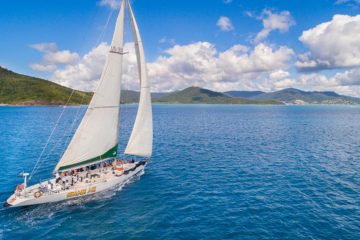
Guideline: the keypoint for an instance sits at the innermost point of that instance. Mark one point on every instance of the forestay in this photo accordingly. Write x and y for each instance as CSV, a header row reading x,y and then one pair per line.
x,y
97,136
141,139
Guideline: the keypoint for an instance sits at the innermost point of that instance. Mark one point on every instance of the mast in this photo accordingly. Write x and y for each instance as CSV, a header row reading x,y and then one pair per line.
x,y
96,138
141,139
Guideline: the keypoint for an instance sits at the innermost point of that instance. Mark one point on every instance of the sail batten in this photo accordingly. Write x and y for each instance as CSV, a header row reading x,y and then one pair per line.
x,y
97,133
141,138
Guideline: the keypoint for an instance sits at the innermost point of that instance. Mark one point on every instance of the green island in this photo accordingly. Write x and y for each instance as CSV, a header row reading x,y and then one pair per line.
x,y
18,89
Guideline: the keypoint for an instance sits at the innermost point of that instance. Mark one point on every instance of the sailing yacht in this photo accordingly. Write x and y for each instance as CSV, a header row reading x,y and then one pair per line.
x,y
89,163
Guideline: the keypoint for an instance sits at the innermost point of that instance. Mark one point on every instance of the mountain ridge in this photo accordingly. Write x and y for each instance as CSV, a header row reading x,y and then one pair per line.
x,y
193,95
297,96
18,89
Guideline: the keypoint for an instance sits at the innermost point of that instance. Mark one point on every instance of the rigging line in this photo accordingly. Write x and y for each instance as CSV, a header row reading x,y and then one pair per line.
x,y
105,27
99,40
65,132
58,120
77,116
123,95
48,140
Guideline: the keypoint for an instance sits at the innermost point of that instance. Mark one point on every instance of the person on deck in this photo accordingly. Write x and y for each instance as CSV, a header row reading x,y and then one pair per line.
x,y
50,185
57,177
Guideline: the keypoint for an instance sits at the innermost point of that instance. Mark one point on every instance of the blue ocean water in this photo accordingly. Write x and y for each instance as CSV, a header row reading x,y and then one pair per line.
x,y
218,172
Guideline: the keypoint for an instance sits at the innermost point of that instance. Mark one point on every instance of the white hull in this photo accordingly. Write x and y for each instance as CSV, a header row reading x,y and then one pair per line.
x,y
107,180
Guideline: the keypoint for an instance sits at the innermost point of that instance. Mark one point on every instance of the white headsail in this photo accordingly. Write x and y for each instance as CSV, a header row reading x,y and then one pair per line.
x,y
141,139
97,136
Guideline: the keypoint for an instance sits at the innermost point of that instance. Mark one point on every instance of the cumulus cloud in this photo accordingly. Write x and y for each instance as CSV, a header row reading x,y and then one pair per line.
x,y
274,21
113,4
202,64
277,80
279,74
344,83
52,57
225,24
181,66
333,44
348,78
262,67
263,58
61,57
86,72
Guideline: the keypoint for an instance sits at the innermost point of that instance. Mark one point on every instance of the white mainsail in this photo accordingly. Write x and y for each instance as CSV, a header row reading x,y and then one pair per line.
x,y
141,139
97,136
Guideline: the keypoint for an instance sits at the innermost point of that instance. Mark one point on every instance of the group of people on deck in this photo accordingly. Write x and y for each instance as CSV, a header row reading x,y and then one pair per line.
x,y
69,178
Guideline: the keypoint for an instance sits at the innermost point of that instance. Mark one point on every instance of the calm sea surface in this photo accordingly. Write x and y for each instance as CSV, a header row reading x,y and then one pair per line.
x,y
218,172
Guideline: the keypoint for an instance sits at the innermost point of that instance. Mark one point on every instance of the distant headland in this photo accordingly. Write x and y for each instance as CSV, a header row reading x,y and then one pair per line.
x,y
21,90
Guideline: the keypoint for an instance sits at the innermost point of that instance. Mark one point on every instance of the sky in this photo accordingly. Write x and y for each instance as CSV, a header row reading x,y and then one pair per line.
x,y
221,45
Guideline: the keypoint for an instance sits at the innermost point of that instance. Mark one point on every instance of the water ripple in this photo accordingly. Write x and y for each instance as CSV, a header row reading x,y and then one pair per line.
x,y
218,172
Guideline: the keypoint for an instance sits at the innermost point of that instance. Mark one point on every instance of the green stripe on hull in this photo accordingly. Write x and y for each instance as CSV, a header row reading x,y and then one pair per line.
x,y
110,153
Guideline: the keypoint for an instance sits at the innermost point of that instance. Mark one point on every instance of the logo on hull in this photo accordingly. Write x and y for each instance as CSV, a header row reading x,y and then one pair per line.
x,y
81,192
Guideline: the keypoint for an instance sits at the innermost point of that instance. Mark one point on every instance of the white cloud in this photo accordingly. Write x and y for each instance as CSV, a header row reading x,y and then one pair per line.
x,y
86,72
45,47
185,65
228,1
348,78
346,83
263,67
201,64
225,24
167,40
43,67
279,75
333,44
182,66
339,83
52,57
113,4
274,21
61,57
262,59
279,79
